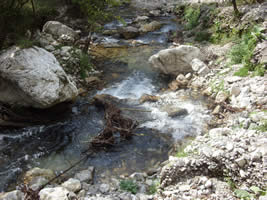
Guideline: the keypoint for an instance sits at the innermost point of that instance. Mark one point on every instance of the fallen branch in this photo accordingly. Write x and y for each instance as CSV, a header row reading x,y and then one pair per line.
x,y
115,122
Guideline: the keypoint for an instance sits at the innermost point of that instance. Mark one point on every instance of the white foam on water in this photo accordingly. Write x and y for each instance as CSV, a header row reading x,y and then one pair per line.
x,y
133,87
187,125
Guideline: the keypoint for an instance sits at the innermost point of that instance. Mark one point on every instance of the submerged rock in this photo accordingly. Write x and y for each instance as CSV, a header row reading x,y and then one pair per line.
x,y
129,32
36,172
176,60
13,195
152,26
33,78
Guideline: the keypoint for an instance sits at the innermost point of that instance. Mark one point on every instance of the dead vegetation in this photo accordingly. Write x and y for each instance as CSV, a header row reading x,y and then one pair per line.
x,y
115,123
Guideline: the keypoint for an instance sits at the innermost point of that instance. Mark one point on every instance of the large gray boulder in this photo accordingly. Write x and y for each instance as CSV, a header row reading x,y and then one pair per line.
x,y
175,60
59,30
33,78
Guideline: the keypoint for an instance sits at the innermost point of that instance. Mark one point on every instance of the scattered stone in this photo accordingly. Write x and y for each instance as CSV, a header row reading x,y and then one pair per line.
x,y
221,97
235,90
72,185
57,193
216,110
104,188
85,175
197,64
58,29
184,188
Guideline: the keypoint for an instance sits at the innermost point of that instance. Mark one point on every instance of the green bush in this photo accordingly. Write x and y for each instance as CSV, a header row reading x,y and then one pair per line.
x,y
191,16
85,65
202,36
242,52
242,72
129,186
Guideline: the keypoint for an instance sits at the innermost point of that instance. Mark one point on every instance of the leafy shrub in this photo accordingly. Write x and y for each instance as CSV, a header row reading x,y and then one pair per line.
x,y
242,52
242,72
202,36
152,189
191,16
129,186
85,65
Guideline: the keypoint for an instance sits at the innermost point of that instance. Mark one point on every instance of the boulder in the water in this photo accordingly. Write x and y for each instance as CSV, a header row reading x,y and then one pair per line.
x,y
175,111
33,78
175,60
129,32
148,98
152,26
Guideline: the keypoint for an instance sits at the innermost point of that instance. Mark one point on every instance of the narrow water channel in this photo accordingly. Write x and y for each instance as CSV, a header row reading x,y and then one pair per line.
x,y
128,75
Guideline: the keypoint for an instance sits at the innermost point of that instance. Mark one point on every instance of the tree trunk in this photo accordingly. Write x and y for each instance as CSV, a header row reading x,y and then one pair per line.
x,y
87,43
33,7
235,7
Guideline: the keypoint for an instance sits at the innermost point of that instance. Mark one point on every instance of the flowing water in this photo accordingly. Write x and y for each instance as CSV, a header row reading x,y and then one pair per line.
x,y
57,146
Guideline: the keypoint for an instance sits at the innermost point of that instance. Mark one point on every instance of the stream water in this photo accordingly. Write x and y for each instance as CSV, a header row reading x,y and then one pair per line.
x,y
57,146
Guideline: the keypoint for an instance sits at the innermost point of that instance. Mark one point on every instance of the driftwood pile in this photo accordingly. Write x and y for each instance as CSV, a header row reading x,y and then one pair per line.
x,y
115,123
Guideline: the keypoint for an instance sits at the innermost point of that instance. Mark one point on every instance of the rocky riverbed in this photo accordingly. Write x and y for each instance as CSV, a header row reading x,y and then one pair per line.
x,y
227,160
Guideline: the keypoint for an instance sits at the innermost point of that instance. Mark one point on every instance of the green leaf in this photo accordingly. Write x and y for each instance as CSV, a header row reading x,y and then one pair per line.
x,y
243,194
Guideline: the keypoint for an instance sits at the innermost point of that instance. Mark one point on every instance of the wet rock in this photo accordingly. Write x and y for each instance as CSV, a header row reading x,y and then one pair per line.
x,y
14,195
85,175
152,26
154,13
92,80
32,175
72,185
58,30
174,85
176,112
33,78
176,60
129,32
57,193
148,98
221,97
141,18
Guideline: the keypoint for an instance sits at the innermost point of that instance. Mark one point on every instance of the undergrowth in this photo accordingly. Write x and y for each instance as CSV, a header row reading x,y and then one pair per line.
x,y
243,51
191,16
129,186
